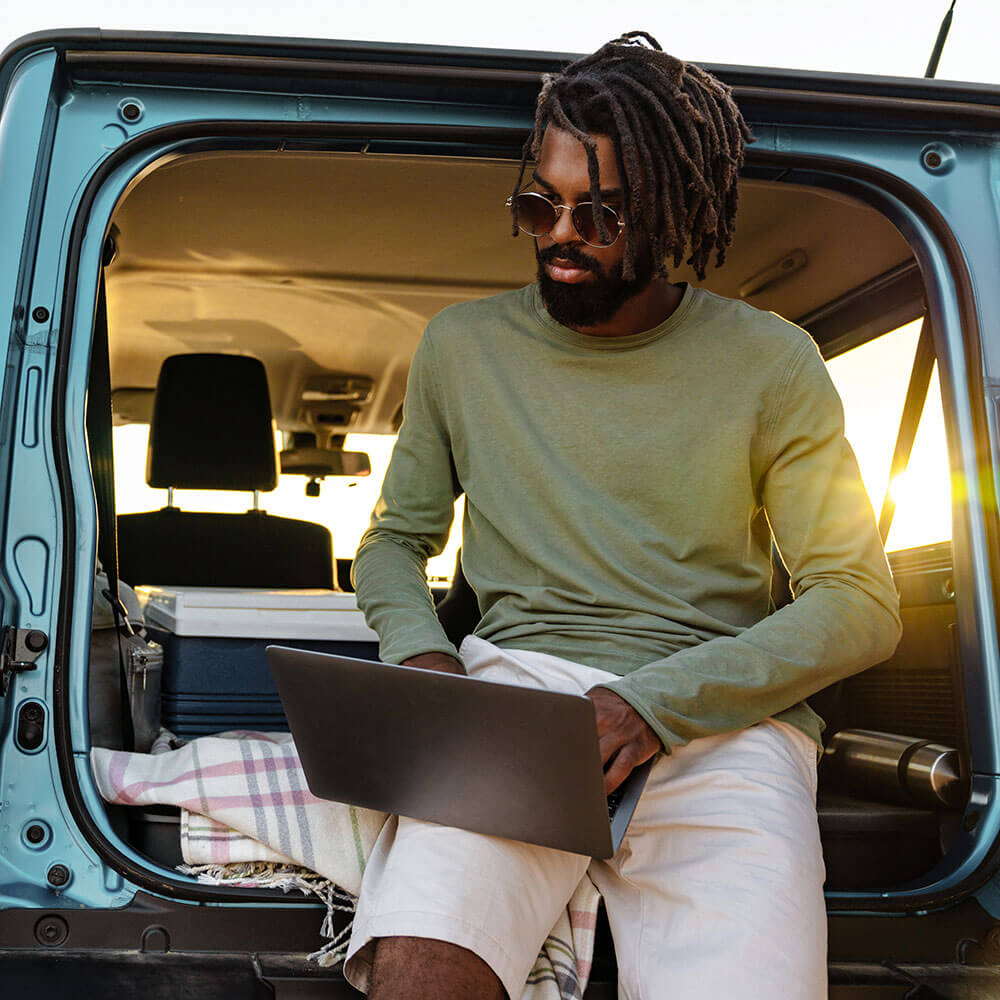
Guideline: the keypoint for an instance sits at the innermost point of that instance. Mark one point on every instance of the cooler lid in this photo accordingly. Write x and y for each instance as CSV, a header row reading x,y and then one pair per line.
x,y
236,612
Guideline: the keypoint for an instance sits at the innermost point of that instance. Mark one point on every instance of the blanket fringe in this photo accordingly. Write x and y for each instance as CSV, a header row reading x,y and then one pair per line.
x,y
270,875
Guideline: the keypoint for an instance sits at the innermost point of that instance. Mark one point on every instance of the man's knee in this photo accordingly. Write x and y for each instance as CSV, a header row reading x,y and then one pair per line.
x,y
413,968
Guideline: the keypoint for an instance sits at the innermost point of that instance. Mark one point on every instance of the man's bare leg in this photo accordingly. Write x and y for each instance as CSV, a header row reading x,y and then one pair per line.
x,y
412,968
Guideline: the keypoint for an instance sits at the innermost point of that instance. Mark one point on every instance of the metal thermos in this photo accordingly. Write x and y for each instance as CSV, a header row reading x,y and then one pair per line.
x,y
884,766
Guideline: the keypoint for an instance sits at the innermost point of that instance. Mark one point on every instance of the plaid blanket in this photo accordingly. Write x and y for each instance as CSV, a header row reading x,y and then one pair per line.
x,y
248,818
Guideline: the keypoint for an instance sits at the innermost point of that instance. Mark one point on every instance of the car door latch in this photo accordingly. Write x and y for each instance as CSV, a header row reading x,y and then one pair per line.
x,y
19,649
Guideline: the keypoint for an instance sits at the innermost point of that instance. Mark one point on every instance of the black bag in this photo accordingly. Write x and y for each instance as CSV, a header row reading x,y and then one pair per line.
x,y
120,658
125,674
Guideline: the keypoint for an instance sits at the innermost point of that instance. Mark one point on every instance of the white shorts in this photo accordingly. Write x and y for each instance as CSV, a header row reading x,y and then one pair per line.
x,y
716,891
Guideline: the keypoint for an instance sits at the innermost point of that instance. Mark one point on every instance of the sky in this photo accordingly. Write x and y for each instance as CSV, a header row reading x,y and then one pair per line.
x,y
888,37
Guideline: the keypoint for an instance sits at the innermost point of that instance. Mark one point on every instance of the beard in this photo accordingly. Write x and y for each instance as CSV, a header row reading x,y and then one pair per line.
x,y
588,303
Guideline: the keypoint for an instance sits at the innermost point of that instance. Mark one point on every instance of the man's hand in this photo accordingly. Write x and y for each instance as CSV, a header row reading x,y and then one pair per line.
x,y
624,736
443,663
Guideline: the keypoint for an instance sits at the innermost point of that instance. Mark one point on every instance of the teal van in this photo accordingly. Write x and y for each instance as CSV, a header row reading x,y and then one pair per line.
x,y
309,205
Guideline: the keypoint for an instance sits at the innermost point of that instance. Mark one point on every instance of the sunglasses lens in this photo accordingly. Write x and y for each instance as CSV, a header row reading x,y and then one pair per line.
x,y
535,215
583,219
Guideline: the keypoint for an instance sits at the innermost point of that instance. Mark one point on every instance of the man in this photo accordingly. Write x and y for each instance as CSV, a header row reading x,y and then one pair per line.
x,y
627,446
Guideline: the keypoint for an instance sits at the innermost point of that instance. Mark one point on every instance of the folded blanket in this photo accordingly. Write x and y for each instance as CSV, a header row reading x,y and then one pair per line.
x,y
244,799
207,843
253,783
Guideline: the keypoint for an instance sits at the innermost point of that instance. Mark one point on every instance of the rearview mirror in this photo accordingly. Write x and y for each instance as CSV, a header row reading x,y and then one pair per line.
x,y
319,462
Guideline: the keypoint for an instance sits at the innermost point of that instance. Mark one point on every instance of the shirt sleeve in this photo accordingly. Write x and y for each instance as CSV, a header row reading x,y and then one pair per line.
x,y
845,616
410,523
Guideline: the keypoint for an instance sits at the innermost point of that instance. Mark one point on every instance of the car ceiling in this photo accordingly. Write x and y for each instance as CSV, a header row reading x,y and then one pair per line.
x,y
334,262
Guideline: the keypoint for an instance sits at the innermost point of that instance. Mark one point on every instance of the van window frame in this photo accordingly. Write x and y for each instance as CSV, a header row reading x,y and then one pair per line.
x,y
940,259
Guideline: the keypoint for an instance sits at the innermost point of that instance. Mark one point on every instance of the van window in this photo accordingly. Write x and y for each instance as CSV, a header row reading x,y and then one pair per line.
x,y
344,505
872,381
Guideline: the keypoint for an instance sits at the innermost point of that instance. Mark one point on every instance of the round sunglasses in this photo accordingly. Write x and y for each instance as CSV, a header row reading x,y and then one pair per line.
x,y
538,215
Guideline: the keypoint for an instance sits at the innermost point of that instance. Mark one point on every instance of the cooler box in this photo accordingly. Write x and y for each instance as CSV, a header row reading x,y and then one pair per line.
x,y
215,671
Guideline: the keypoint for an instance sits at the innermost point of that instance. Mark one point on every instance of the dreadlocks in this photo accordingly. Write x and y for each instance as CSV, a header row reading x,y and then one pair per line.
x,y
678,138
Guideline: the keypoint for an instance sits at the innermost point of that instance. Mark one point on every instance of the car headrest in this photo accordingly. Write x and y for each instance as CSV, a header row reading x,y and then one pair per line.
x,y
212,426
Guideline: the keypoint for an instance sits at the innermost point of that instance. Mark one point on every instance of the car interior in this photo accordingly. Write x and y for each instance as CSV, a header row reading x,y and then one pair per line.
x,y
293,286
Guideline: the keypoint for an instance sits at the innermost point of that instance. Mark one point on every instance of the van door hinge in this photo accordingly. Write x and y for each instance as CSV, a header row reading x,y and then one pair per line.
x,y
19,649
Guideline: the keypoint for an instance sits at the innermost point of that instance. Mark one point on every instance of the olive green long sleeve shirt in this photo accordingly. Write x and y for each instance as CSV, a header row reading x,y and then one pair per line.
x,y
620,497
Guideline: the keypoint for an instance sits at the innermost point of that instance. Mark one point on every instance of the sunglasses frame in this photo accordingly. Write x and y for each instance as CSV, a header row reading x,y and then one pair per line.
x,y
571,209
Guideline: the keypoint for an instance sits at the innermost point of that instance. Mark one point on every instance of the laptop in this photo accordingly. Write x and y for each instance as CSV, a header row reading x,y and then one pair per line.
x,y
493,758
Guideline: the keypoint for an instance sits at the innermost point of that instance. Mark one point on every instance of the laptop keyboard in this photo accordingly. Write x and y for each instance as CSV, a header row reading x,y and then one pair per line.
x,y
614,801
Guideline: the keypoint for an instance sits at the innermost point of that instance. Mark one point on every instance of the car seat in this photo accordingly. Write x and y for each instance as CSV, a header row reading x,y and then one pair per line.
x,y
212,429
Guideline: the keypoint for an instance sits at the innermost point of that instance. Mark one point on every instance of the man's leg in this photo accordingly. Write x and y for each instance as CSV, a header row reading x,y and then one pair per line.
x,y
434,893
411,968
718,888
462,896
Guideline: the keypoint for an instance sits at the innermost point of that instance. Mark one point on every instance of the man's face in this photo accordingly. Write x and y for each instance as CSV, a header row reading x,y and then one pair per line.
x,y
582,285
